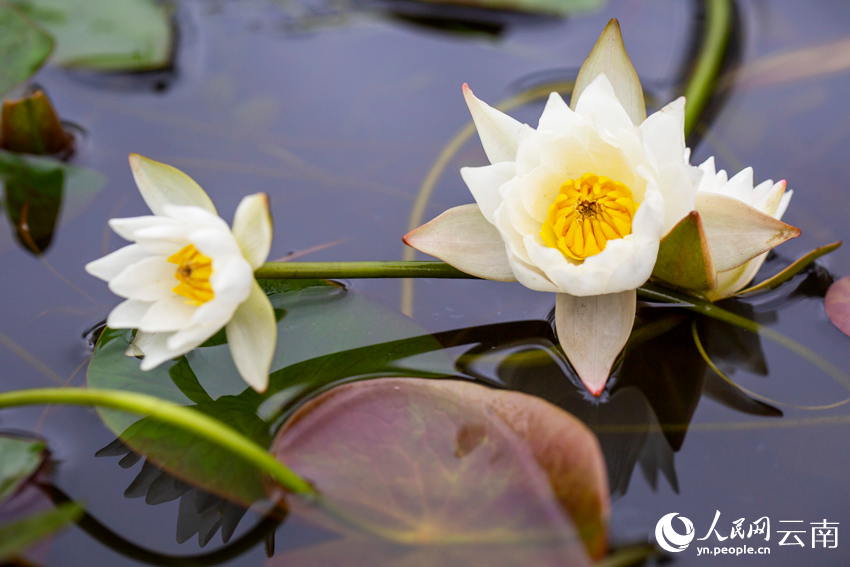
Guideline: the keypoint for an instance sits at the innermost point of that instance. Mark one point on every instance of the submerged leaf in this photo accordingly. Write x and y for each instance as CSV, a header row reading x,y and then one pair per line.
x,y
18,536
444,467
19,459
118,35
24,46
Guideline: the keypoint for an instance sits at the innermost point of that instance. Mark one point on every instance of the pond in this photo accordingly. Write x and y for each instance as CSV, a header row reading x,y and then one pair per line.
x,y
338,111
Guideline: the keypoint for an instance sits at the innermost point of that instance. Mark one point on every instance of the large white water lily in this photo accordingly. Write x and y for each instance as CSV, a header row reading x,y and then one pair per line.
x,y
187,275
738,198
577,206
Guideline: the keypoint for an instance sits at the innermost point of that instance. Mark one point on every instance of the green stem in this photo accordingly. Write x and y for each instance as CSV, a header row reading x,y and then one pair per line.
x,y
185,418
707,67
352,270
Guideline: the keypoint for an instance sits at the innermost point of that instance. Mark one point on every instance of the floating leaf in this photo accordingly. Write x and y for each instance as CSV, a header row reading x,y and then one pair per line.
x,y
34,189
18,536
24,46
798,266
118,35
837,304
31,126
453,470
556,7
326,334
19,459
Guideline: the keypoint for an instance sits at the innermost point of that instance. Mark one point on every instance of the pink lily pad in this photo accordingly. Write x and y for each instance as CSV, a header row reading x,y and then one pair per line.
x,y
837,304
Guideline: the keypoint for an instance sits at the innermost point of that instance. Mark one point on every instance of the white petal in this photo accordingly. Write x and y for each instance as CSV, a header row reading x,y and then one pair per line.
x,y
156,350
190,338
609,58
252,336
172,313
664,132
731,282
558,116
161,185
499,132
592,331
114,263
252,228
484,183
598,102
128,227
737,232
150,279
463,238
127,314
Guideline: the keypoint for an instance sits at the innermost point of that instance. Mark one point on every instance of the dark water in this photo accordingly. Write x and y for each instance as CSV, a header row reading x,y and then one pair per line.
x,y
338,116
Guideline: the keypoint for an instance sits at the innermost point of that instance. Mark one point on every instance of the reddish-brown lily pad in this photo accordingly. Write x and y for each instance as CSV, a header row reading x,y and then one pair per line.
x,y
441,472
837,304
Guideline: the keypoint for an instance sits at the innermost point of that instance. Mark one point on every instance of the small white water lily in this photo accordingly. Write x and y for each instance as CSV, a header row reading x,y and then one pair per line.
x,y
768,198
577,206
187,275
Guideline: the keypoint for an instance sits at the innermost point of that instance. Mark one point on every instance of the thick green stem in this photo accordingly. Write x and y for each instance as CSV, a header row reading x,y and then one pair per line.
x,y
353,270
713,49
187,419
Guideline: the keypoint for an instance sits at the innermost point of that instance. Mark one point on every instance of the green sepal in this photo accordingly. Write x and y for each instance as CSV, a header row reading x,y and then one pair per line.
x,y
684,258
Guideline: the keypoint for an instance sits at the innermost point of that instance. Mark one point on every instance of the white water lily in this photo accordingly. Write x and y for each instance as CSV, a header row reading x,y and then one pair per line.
x,y
767,197
187,275
577,206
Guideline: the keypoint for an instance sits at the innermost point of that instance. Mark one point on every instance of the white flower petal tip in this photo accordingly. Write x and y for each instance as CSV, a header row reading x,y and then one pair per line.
x,y
609,58
592,331
738,232
253,228
463,238
162,185
499,132
252,336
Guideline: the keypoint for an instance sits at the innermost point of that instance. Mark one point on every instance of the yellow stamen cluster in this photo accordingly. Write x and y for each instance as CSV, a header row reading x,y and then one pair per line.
x,y
586,214
193,272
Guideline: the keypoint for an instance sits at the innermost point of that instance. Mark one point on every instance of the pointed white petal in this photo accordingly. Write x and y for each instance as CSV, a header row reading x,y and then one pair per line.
x,y
187,339
252,336
172,313
664,132
592,331
609,58
252,228
158,348
499,132
149,279
161,185
484,183
600,104
114,263
737,232
557,116
463,238
127,314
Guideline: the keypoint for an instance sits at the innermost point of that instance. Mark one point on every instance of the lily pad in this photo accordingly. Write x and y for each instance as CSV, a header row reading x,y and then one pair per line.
x,y
556,7
326,334
444,472
31,126
118,35
837,304
24,46
19,459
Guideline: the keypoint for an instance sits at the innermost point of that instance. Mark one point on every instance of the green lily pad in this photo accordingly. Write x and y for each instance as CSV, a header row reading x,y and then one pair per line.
x,y
19,459
24,46
327,334
118,35
555,7
441,472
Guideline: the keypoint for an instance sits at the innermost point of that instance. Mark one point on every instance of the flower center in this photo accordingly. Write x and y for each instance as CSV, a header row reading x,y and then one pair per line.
x,y
587,213
193,272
